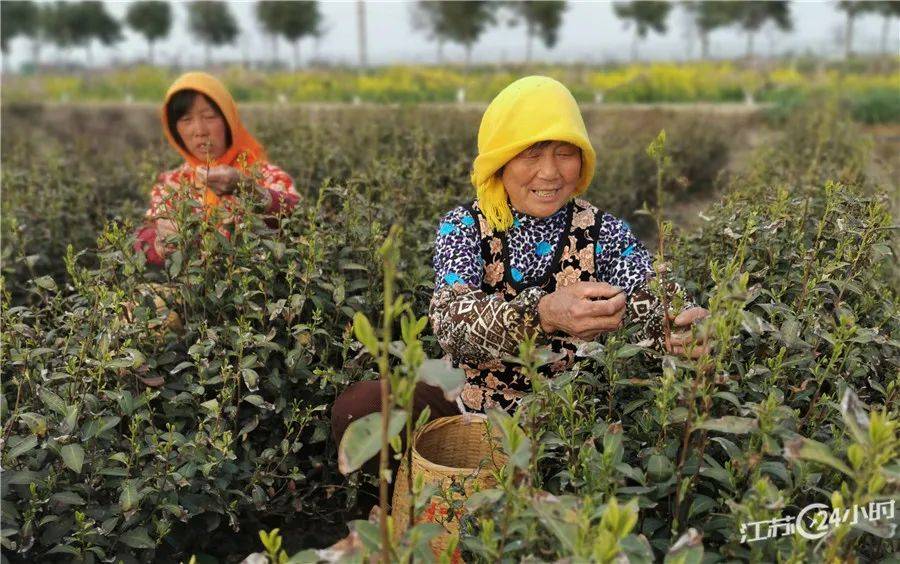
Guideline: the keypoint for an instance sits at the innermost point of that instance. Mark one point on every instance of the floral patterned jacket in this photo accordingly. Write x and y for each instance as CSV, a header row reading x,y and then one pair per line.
x,y
283,197
488,285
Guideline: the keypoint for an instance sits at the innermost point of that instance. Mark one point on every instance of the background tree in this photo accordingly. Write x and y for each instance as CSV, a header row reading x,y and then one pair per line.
x,y
888,9
542,18
20,17
851,10
61,26
751,15
708,16
291,20
97,23
644,15
457,21
213,24
426,17
299,19
860,7
268,13
152,19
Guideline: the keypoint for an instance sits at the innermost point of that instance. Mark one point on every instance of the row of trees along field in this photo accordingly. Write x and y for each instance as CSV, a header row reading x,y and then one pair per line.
x,y
80,24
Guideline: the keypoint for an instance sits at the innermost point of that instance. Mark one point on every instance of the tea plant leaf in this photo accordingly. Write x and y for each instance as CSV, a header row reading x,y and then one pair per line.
x,y
175,261
730,424
308,556
637,549
137,538
53,401
368,533
688,549
22,447
854,414
130,497
421,535
362,439
64,549
790,331
776,469
181,366
364,333
37,423
628,350
95,427
20,477
258,401
46,283
73,456
802,448
552,513
513,439
659,467
251,378
441,374
68,498
483,498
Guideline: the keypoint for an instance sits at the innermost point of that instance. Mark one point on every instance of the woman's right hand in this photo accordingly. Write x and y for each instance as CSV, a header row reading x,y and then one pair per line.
x,y
583,310
164,229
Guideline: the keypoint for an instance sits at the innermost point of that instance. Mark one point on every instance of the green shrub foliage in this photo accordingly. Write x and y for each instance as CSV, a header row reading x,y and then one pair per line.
x,y
126,436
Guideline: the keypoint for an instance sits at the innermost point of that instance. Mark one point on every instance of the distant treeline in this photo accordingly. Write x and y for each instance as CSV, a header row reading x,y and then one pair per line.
x,y
81,24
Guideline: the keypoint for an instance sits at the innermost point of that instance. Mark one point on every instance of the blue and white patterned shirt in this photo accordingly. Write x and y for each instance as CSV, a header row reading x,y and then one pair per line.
x,y
621,259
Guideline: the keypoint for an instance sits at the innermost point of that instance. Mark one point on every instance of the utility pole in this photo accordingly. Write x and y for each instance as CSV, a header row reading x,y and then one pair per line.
x,y
361,34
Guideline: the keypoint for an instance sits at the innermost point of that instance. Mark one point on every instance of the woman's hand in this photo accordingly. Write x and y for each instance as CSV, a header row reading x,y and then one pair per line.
x,y
222,180
680,341
583,310
164,229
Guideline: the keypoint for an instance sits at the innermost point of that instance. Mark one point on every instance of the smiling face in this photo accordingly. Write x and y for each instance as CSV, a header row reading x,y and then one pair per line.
x,y
203,129
542,178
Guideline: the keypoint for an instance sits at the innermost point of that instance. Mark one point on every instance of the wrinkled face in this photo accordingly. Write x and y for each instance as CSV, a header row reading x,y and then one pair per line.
x,y
203,130
542,178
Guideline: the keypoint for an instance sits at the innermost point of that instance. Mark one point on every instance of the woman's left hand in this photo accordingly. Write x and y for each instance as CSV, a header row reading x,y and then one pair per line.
x,y
683,340
221,179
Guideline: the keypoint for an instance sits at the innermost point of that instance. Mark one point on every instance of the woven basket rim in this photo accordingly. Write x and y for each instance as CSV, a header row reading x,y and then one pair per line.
x,y
441,422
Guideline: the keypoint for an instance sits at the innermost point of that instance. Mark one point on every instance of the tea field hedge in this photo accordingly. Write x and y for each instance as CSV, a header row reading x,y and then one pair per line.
x,y
130,437
868,86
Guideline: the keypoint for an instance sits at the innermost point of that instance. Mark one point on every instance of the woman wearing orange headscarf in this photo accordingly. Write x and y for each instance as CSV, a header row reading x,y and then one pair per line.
x,y
201,122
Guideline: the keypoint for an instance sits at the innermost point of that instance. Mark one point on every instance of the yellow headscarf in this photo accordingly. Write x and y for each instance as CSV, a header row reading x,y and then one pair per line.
x,y
531,109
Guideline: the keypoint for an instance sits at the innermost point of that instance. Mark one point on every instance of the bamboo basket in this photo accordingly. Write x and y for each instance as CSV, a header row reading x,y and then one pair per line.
x,y
445,450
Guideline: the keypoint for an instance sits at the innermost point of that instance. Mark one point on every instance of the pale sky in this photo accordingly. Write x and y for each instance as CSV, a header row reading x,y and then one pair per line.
x,y
590,33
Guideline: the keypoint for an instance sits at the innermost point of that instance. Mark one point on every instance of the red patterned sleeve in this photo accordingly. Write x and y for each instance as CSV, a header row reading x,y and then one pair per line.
x,y
157,196
145,237
281,188
145,242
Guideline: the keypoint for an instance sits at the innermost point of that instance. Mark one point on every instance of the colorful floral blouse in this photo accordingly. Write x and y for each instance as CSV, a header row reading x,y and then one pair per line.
x,y
280,186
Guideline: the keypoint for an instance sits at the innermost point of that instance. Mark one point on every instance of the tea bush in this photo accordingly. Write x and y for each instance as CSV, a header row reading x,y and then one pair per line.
x,y
168,440
128,437
797,272
706,82
629,457
59,192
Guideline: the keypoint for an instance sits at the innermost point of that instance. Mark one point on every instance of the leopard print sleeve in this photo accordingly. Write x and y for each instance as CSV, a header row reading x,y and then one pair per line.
x,y
457,250
622,260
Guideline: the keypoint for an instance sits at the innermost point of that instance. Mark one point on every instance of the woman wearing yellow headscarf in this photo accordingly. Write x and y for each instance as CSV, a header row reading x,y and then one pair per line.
x,y
200,120
528,258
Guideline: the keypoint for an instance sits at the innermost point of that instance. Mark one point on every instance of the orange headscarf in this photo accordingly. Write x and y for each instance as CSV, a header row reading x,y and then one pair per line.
x,y
241,140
